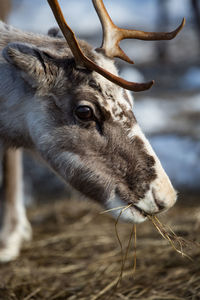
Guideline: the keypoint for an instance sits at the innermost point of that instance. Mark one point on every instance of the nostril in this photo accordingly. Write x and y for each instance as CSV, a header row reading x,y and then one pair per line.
x,y
160,205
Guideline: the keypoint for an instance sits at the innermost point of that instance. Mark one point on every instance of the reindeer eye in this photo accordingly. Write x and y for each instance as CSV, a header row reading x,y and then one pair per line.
x,y
84,113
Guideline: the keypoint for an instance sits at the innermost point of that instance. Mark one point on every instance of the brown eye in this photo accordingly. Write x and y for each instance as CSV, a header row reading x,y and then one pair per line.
x,y
84,113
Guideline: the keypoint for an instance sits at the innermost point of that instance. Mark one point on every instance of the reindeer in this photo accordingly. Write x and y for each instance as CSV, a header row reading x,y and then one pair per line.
x,y
58,99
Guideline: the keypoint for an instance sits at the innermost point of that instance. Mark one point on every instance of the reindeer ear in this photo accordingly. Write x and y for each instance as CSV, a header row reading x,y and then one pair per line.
x,y
33,62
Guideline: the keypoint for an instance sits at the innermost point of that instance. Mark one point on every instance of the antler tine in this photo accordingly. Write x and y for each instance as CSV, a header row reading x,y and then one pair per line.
x,y
112,35
67,32
83,61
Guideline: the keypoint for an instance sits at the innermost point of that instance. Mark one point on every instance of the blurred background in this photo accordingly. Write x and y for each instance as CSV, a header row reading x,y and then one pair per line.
x,y
169,113
75,253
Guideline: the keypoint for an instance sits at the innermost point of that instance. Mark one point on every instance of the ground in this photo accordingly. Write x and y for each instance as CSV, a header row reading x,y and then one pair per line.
x,y
75,255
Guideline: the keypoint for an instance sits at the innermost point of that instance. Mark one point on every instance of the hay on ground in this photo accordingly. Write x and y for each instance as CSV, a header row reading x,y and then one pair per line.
x,y
75,255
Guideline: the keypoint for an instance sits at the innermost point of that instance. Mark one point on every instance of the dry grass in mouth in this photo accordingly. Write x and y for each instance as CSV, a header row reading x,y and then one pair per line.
x,y
114,284
124,256
169,235
176,242
165,231
133,232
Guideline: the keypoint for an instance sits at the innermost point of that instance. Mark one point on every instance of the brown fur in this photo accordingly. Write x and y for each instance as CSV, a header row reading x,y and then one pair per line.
x,y
51,70
106,158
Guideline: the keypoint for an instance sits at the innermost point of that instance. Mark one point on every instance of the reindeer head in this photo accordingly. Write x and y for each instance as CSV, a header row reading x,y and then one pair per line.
x,y
83,123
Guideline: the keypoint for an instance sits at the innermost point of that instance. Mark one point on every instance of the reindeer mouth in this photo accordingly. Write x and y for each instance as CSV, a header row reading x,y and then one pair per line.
x,y
142,212
139,210
126,211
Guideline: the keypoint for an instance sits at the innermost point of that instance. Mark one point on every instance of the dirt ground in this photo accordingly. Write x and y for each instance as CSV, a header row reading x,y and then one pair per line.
x,y
75,255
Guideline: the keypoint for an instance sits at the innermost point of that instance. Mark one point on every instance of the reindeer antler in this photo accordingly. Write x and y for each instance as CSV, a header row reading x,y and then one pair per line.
x,y
112,36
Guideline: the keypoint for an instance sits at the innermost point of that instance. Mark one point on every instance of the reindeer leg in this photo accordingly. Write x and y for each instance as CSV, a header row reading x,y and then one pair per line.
x,y
15,226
